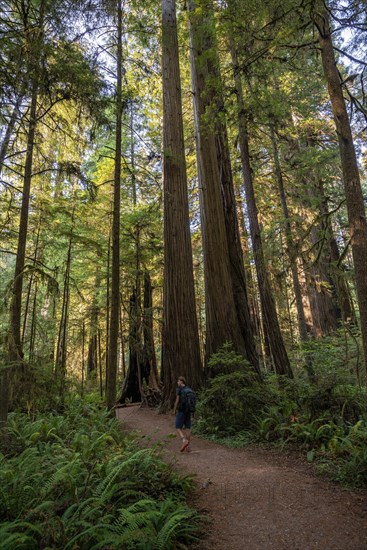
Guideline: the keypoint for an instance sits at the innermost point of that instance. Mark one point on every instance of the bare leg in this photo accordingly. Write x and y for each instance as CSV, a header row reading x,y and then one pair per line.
x,y
184,437
188,437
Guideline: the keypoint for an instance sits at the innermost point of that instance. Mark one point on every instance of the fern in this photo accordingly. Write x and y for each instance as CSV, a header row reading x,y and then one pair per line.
x,y
76,483
178,524
18,540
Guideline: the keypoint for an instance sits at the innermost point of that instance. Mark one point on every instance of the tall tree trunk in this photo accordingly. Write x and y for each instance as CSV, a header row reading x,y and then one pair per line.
x,y
100,364
222,321
92,357
320,287
343,293
132,154
215,102
30,285
111,371
237,268
16,303
150,360
328,259
292,254
108,300
32,340
61,350
251,284
351,178
273,334
180,345
122,345
83,357
15,351
132,386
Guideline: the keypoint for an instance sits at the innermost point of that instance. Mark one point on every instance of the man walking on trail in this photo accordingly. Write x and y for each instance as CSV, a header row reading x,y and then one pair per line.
x,y
183,413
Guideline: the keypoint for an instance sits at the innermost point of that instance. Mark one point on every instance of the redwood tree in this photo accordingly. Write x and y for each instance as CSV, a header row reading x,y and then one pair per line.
x,y
111,370
273,335
180,351
227,312
351,177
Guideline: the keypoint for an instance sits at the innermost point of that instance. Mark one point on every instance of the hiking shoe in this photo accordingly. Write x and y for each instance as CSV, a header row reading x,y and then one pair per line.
x,y
184,445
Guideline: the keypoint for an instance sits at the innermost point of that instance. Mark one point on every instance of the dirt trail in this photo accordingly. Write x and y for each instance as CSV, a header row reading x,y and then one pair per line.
x,y
259,499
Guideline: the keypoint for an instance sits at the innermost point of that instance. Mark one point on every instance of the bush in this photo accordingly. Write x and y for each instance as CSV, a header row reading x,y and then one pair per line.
x,y
234,397
230,403
328,419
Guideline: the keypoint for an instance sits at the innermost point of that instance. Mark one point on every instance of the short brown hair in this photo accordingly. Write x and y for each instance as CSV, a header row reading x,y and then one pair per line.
x,y
182,379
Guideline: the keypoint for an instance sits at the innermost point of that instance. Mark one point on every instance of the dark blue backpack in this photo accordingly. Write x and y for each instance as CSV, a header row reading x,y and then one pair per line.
x,y
188,399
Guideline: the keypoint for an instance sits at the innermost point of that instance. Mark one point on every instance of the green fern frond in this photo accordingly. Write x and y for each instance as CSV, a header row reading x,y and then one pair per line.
x,y
92,531
17,535
135,517
178,524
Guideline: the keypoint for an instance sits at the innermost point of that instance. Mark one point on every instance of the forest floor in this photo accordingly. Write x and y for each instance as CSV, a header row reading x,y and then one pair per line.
x,y
255,498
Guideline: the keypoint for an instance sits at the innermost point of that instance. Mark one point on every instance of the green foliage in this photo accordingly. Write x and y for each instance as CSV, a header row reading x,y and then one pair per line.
x,y
327,420
345,457
75,481
226,360
232,402
223,410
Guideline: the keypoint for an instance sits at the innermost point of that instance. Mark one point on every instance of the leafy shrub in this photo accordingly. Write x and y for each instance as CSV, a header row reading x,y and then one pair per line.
x,y
231,403
345,457
328,419
227,361
234,397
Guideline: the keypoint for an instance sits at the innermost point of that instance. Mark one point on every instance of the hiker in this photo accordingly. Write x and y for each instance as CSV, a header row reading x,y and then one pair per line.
x,y
183,408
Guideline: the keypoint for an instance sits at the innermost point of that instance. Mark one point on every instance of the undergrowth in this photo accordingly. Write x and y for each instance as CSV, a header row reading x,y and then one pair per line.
x,y
74,481
328,420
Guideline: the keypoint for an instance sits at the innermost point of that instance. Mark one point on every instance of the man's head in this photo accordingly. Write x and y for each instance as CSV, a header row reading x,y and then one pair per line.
x,y
181,382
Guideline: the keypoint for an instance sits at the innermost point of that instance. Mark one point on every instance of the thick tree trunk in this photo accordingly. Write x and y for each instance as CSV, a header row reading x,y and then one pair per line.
x,y
272,331
111,371
240,291
237,268
352,183
224,276
180,346
142,360
136,373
